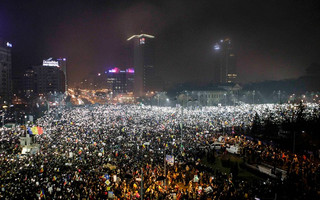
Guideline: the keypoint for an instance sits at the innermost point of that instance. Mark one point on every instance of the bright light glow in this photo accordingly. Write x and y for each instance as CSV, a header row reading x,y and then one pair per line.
x,y
9,44
64,59
139,36
99,74
130,70
114,70
216,47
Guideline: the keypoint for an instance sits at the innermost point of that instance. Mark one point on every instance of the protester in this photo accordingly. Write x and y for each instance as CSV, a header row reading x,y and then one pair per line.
x,y
111,151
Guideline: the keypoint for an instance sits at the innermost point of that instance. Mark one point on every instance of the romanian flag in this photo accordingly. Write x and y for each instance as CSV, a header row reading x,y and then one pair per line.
x,y
54,178
34,130
40,130
41,170
42,195
29,131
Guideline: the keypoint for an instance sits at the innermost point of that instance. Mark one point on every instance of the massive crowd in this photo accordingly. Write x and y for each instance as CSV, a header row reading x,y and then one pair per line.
x,y
118,151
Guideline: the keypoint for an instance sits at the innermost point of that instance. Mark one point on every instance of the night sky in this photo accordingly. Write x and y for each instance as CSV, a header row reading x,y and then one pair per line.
x,y
273,39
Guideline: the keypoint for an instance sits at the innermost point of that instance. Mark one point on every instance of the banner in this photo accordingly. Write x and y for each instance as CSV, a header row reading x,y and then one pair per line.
x,y
170,159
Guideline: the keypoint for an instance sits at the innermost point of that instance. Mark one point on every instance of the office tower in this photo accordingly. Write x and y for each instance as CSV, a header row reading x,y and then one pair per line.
x,y
61,63
120,81
225,61
143,62
5,72
48,77
63,66
28,83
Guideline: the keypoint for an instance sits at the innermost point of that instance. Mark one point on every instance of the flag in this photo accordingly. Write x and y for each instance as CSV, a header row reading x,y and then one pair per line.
x,y
54,178
34,130
40,130
29,131
41,170
42,195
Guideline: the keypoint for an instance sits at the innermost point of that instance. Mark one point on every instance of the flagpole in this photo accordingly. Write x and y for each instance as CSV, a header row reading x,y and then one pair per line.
x,y
141,183
165,166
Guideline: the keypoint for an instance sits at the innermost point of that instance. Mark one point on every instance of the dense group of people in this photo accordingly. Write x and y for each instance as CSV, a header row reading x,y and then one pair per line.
x,y
120,152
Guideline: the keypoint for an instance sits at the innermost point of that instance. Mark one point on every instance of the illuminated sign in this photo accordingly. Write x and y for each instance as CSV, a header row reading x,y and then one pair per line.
x,y
50,63
114,70
9,44
130,71
142,40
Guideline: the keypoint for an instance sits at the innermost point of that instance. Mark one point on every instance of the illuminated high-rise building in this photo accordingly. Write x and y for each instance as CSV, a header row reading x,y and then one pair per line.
x,y
143,62
5,71
45,78
120,81
63,67
225,61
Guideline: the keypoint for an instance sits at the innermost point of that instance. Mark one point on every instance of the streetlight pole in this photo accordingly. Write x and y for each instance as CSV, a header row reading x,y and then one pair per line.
x,y
279,96
181,126
253,93
141,183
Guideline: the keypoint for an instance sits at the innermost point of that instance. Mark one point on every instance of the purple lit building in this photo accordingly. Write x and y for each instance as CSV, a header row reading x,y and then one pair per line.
x,y
120,81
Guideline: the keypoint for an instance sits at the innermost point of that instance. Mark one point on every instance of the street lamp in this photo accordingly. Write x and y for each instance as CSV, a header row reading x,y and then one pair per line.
x,y
279,96
253,93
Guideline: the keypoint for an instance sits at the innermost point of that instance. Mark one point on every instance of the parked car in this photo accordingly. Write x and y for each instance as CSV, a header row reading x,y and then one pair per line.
x,y
216,145
234,149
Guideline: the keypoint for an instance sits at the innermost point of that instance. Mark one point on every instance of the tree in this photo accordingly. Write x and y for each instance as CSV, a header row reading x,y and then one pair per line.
x,y
256,126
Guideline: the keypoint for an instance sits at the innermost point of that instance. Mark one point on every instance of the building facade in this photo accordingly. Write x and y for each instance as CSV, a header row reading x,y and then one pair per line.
x,y
48,79
60,63
120,81
225,61
143,62
5,72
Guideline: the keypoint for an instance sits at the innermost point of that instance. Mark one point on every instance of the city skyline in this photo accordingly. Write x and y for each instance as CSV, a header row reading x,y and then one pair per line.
x,y
272,40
